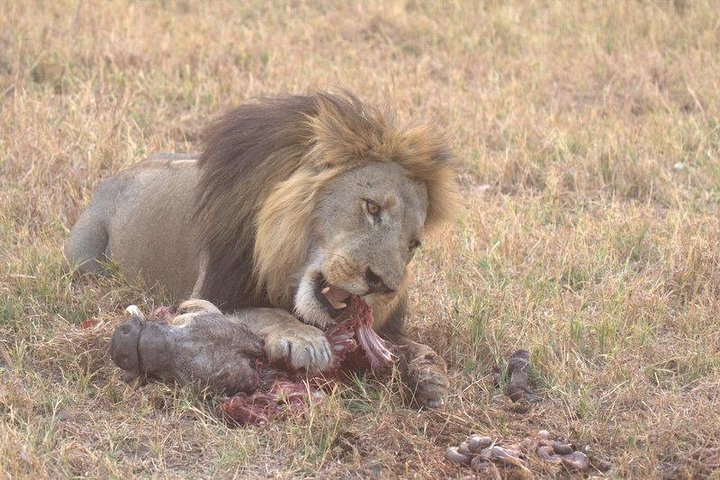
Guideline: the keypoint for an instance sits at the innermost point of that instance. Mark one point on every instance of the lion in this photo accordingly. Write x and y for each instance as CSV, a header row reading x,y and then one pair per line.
x,y
295,203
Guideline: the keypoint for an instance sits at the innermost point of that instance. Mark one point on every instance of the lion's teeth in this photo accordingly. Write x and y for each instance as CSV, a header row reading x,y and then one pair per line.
x,y
339,305
325,290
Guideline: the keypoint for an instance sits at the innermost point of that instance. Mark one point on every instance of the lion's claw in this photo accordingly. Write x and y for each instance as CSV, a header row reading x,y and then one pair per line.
x,y
428,380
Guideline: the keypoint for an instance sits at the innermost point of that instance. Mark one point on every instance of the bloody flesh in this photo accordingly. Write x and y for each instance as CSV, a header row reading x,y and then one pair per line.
x,y
282,391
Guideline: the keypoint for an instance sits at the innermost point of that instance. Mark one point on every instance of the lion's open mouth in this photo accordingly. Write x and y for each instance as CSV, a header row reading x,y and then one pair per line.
x,y
332,297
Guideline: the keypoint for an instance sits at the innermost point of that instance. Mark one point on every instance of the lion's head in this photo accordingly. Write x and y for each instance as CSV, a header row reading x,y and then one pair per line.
x,y
305,200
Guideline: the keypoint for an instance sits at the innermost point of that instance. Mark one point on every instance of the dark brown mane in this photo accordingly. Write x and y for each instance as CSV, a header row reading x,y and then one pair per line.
x,y
232,173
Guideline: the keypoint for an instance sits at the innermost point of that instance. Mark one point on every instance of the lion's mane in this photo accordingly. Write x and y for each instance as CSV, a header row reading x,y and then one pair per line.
x,y
262,170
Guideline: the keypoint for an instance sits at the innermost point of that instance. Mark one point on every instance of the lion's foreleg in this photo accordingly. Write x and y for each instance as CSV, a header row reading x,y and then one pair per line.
x,y
423,371
287,339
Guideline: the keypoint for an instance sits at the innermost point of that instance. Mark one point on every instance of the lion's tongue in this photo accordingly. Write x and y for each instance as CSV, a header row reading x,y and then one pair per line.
x,y
336,296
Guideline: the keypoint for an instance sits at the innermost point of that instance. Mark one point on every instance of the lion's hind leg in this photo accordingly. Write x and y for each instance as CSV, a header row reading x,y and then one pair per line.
x,y
86,247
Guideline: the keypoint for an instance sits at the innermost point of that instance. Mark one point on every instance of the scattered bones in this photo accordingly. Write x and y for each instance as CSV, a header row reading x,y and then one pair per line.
x,y
479,452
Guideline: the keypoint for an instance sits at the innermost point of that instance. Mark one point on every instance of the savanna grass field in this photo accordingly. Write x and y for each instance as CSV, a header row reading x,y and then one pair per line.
x,y
588,139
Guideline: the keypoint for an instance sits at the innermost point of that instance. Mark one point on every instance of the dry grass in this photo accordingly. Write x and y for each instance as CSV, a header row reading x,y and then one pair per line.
x,y
580,240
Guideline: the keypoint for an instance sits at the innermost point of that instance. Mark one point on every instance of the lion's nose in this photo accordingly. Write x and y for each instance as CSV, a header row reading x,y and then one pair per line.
x,y
375,283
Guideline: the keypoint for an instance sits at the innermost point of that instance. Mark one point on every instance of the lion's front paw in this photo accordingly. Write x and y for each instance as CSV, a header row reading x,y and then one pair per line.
x,y
301,347
428,380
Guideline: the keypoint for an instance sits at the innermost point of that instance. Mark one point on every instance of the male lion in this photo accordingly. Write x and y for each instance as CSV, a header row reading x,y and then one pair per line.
x,y
295,203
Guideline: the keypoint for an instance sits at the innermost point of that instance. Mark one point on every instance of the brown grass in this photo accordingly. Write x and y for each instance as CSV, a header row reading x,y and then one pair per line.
x,y
580,241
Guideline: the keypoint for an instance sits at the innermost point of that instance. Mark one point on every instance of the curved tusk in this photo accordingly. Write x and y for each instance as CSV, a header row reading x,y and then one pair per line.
x,y
134,311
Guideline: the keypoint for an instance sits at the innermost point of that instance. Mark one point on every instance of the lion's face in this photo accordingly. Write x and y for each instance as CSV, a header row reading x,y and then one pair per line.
x,y
365,229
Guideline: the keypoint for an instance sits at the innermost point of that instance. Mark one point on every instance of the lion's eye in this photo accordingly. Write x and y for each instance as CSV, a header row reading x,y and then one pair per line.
x,y
372,207
414,244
